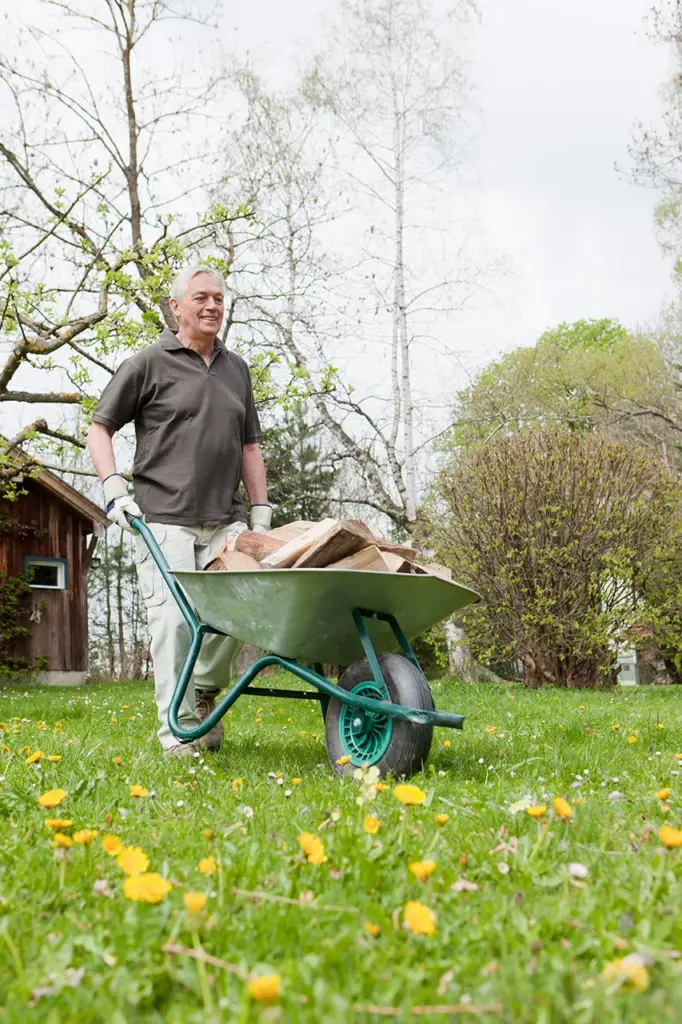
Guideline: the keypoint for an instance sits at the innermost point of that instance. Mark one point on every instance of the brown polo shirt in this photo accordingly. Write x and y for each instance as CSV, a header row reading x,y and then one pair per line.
x,y
191,424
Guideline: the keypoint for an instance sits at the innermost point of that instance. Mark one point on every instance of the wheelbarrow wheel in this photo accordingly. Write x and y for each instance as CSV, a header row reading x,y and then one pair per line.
x,y
394,745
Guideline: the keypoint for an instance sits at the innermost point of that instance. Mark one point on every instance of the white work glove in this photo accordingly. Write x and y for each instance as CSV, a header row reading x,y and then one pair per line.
x,y
117,502
261,517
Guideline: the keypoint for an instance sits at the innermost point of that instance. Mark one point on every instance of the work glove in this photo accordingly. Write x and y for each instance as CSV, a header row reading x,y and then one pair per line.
x,y
261,517
118,502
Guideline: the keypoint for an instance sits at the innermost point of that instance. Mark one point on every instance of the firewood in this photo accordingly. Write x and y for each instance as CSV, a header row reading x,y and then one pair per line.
x,y
369,559
290,530
432,569
397,549
339,541
257,545
232,561
290,552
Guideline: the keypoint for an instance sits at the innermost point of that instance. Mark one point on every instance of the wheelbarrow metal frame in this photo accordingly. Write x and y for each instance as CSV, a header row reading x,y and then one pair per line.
x,y
314,676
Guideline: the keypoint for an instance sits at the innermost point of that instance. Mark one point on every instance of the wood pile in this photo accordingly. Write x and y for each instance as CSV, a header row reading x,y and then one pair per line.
x,y
330,544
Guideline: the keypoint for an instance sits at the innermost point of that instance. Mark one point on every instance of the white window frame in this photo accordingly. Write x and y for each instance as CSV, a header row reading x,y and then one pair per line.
x,y
59,563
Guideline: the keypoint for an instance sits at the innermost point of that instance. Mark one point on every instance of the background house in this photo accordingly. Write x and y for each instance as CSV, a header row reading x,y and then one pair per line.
x,y
48,536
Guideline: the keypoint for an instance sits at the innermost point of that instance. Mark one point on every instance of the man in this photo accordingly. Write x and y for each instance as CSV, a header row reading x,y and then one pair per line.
x,y
197,435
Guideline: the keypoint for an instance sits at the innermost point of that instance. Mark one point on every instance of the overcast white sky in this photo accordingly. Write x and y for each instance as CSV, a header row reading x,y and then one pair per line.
x,y
559,86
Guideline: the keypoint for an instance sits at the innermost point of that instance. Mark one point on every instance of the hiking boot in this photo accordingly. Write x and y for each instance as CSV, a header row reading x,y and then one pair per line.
x,y
205,704
182,750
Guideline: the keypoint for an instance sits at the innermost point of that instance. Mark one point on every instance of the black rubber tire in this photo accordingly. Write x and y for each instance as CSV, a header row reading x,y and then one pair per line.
x,y
410,743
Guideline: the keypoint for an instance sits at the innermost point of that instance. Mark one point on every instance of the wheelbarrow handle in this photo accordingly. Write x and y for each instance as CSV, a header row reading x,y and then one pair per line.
x,y
162,565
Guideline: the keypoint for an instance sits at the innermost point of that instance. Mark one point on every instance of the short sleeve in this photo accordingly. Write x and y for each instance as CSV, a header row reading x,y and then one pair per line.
x,y
120,399
252,430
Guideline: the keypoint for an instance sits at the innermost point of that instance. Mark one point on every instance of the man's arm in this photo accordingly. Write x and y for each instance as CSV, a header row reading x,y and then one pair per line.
x,y
253,474
116,498
101,449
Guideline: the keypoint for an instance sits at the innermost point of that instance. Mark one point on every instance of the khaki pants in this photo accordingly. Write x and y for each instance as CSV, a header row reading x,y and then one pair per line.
x,y
184,547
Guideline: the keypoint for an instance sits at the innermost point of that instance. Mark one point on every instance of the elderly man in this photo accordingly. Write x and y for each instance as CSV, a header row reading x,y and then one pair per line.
x,y
198,435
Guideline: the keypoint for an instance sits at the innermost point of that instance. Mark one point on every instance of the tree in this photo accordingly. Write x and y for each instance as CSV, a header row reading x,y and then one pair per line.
x,y
301,477
96,197
556,530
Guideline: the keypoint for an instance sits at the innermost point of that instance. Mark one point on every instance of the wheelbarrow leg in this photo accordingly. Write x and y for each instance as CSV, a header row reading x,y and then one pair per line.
x,y
324,699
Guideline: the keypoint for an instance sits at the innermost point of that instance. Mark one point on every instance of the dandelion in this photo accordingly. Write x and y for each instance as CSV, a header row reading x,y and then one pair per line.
x,y
422,869
85,836
630,971
503,868
670,837
380,787
373,929
112,845
63,841
312,848
577,870
491,729
371,825
344,759
42,726
58,823
54,757
237,785
563,808
34,757
537,811
140,791
660,725
208,833
265,989
194,902
679,757
616,726
117,760
446,744
663,794
409,795
440,819
132,860
419,918
151,888
296,782
207,866
52,798
632,739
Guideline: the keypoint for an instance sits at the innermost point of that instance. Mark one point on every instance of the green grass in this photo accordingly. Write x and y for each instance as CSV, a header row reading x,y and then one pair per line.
x,y
533,941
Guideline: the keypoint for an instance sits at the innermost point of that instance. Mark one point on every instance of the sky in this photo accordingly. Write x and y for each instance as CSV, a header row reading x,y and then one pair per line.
x,y
559,88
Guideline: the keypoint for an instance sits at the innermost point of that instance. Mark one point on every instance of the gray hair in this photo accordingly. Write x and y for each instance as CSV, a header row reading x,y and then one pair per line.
x,y
181,282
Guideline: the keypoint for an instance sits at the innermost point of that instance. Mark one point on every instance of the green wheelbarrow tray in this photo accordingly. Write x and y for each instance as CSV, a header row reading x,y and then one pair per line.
x,y
308,615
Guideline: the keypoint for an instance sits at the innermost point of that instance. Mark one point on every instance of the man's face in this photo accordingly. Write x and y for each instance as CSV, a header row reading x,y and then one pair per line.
x,y
200,311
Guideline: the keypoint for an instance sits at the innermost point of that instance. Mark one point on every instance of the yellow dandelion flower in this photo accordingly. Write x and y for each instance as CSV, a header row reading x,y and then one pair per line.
x,y
113,719
630,972
207,866
616,726
440,819
372,928
632,739
54,757
85,836
112,845
41,725
344,759
58,726
136,790
194,902
266,989
117,760
371,824
537,811
151,888
562,808
660,725
131,718
663,794
491,729
446,744
124,707
8,750
62,840
312,847
132,860
381,786
679,757
419,919
58,823
208,833
237,785
409,795
3,725
34,757
670,837
52,798
296,781
422,869
25,750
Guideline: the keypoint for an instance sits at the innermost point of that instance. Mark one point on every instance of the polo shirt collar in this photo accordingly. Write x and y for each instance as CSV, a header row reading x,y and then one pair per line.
x,y
170,342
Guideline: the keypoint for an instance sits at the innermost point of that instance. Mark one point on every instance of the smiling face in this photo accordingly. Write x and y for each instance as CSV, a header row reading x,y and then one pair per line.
x,y
200,311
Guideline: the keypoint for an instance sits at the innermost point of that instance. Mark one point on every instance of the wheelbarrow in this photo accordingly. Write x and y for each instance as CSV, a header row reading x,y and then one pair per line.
x,y
380,712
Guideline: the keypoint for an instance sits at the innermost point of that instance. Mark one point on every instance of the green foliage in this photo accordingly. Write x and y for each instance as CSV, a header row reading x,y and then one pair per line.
x,y
556,530
300,476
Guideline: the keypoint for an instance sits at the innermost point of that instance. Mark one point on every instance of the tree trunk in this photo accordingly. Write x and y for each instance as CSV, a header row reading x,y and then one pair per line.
x,y
459,655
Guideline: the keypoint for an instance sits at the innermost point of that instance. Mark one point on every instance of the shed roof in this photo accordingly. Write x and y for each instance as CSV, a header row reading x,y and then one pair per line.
x,y
72,497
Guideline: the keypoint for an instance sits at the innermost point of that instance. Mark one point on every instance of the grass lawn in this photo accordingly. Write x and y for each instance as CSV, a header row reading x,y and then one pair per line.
x,y
526,941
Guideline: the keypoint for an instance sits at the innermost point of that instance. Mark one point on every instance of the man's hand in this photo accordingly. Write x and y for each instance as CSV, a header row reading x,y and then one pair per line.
x,y
118,502
261,517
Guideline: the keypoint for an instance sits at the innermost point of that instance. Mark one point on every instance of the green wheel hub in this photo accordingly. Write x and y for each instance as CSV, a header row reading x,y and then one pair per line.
x,y
365,735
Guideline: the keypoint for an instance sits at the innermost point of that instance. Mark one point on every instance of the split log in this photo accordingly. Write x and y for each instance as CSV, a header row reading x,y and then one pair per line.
x,y
290,531
232,561
369,559
257,545
432,569
289,553
340,540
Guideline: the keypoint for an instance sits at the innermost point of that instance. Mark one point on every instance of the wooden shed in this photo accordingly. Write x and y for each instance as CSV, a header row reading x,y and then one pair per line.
x,y
48,536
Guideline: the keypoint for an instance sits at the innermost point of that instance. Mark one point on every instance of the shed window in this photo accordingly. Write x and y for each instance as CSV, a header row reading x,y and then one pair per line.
x,y
46,573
